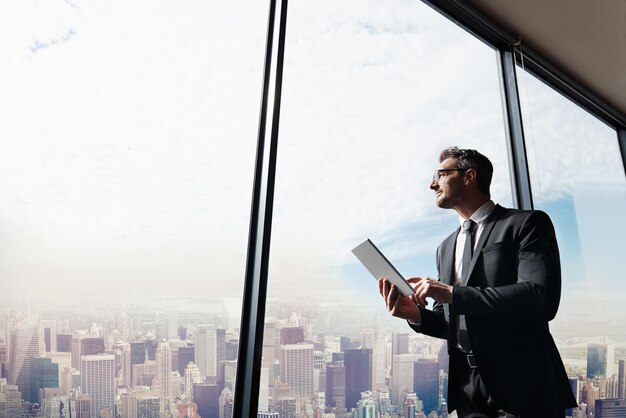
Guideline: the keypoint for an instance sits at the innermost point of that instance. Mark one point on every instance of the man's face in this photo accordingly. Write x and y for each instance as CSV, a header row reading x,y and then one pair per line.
x,y
448,185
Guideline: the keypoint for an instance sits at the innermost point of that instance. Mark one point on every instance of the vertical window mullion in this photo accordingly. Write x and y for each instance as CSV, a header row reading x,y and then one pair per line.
x,y
255,286
518,162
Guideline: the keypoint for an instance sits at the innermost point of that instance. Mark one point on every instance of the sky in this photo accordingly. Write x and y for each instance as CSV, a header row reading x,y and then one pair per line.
x,y
128,133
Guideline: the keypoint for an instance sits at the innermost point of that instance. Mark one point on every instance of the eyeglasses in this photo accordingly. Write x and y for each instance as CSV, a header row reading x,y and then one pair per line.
x,y
439,173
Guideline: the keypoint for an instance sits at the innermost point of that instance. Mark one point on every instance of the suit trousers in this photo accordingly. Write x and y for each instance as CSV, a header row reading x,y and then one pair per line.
x,y
472,397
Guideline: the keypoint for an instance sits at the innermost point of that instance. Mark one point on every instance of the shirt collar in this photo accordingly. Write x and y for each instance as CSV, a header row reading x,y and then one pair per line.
x,y
482,213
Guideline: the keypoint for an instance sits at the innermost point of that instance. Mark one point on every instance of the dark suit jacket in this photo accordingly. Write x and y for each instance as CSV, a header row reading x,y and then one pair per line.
x,y
513,290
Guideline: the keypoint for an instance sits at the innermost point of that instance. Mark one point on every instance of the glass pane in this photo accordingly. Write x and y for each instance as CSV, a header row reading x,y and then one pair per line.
x,y
578,178
127,144
372,93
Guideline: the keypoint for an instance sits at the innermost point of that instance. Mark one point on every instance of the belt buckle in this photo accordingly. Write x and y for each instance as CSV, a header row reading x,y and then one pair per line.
x,y
471,361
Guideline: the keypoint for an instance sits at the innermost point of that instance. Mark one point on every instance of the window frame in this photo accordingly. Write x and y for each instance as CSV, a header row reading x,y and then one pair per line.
x,y
477,24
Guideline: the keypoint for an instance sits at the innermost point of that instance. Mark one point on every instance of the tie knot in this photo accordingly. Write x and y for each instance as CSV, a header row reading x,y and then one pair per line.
x,y
468,225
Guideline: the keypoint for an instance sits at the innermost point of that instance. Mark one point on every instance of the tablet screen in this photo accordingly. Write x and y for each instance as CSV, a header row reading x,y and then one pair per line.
x,y
379,266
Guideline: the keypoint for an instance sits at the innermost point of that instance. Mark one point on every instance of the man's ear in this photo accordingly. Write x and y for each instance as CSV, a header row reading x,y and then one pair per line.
x,y
470,176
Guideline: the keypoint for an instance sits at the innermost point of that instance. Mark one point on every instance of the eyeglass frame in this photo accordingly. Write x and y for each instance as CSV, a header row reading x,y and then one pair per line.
x,y
437,174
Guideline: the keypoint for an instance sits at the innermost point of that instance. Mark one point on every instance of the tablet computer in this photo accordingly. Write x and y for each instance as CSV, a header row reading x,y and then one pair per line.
x,y
377,264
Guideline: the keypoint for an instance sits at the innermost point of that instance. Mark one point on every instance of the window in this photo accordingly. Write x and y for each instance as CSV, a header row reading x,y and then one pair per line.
x,y
577,177
128,135
371,94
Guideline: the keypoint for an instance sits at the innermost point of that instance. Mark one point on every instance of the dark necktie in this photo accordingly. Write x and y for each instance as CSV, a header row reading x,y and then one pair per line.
x,y
468,250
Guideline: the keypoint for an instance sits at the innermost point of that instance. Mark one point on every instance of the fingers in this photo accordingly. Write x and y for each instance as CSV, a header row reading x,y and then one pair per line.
x,y
392,298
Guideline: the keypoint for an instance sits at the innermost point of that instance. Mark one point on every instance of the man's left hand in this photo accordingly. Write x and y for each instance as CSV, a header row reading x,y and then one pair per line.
x,y
426,287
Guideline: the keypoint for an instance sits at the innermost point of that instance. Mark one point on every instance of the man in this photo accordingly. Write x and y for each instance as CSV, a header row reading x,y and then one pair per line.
x,y
499,285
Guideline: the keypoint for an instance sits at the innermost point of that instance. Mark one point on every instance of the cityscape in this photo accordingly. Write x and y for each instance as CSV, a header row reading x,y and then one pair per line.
x,y
321,358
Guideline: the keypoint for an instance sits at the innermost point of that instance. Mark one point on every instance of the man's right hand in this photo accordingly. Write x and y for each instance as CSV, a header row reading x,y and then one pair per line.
x,y
399,306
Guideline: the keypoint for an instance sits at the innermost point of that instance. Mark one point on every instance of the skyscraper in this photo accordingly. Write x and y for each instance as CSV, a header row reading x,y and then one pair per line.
x,y
291,335
43,374
12,401
207,397
426,383
401,377
85,345
25,345
98,381
621,381
126,365
192,377
206,349
64,343
600,360
379,364
186,355
49,328
335,386
399,343
296,368
164,373
358,364
82,406
610,408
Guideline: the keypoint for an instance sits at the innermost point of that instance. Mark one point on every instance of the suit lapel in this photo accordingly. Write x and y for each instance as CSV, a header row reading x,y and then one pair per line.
x,y
447,258
484,236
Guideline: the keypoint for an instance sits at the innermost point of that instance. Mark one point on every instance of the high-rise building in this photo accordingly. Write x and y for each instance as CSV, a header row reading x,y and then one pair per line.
x,y
291,335
64,343
206,349
140,402
426,383
207,397
98,381
227,402
185,356
610,408
192,377
230,374
399,343
82,406
600,360
379,364
621,380
138,352
296,368
284,401
335,386
401,377
25,345
143,373
85,345
3,358
366,406
12,402
43,374
62,359
358,364
164,373
49,329
220,344
125,363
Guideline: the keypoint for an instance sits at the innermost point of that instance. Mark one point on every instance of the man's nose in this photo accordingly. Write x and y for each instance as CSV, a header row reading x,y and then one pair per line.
x,y
434,185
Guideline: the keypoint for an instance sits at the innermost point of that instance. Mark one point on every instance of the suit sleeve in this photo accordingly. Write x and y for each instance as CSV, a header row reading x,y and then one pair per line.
x,y
433,322
535,294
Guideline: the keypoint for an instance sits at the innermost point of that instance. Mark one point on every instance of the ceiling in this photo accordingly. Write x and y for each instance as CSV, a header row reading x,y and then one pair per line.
x,y
585,39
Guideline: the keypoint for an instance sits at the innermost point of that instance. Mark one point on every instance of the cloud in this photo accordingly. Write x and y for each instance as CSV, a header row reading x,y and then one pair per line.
x,y
129,146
